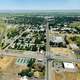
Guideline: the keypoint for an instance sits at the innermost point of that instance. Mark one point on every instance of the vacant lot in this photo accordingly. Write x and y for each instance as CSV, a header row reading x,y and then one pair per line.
x,y
66,76
8,68
64,51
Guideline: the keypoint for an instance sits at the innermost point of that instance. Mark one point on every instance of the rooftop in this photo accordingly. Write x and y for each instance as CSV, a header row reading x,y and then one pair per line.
x,y
57,39
68,65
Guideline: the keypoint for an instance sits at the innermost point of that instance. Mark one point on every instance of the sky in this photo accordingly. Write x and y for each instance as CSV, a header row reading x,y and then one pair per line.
x,y
39,4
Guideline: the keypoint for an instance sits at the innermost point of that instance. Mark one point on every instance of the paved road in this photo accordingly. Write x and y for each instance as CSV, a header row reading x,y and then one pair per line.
x,y
51,71
31,54
16,53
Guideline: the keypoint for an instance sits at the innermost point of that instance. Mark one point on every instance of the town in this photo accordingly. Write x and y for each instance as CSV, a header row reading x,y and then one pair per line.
x,y
39,47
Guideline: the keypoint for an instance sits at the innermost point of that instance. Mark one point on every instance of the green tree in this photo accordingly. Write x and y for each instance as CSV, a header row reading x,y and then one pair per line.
x,y
26,72
75,25
31,62
78,41
3,31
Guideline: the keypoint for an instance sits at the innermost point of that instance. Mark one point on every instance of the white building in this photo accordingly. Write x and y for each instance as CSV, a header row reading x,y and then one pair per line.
x,y
24,78
73,46
68,65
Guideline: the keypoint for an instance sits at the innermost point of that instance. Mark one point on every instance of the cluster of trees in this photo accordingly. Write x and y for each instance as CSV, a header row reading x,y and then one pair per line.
x,y
63,20
24,43
34,20
76,39
39,37
3,32
26,20
32,67
12,32
28,72
75,25
30,47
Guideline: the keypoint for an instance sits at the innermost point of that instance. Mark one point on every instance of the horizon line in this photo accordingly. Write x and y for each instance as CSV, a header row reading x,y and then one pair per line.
x,y
36,10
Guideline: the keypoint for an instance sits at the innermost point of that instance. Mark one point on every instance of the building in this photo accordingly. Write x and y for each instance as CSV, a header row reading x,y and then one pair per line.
x,y
73,46
68,65
23,78
57,41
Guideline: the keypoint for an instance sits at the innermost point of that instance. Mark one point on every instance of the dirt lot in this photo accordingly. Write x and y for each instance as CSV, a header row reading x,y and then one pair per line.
x,y
64,51
8,68
66,76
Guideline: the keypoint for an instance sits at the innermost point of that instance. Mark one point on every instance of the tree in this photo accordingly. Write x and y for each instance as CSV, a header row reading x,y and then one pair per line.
x,y
12,32
37,41
31,62
34,48
27,47
3,31
78,41
75,25
26,72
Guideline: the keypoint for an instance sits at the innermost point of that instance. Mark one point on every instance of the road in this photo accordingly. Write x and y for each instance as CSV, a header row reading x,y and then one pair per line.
x,y
31,54
51,71
16,53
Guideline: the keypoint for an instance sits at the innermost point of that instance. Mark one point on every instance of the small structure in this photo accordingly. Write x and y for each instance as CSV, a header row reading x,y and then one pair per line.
x,y
23,78
57,64
68,65
22,61
73,46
